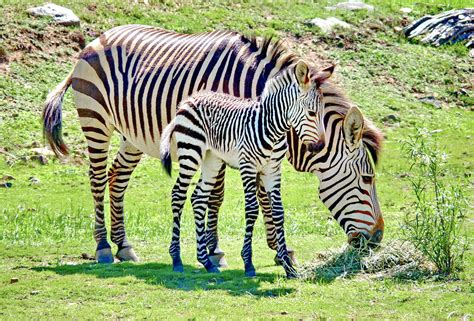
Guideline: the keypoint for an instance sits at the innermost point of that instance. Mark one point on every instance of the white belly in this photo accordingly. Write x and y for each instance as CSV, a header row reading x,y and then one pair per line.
x,y
230,158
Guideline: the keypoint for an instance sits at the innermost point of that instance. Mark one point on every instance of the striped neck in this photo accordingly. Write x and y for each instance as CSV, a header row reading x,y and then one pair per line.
x,y
277,100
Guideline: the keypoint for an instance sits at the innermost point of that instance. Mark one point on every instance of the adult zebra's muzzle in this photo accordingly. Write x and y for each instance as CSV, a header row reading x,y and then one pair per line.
x,y
360,240
372,240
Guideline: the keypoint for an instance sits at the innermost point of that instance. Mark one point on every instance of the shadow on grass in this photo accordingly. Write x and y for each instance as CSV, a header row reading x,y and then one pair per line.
x,y
160,274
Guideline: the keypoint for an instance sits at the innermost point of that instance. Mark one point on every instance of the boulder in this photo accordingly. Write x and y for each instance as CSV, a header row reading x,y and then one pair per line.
x,y
61,15
327,25
445,28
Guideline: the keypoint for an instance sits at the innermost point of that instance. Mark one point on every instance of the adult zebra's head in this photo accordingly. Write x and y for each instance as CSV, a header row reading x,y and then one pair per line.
x,y
345,166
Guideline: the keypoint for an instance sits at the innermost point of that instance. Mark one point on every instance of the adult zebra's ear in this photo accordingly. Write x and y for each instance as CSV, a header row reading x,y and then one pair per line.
x,y
353,127
302,75
324,74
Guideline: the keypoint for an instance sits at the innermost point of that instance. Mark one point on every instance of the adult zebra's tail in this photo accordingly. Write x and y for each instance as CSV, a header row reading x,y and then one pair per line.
x,y
165,147
52,118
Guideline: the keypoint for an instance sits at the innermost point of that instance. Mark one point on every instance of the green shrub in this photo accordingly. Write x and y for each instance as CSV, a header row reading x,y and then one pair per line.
x,y
435,225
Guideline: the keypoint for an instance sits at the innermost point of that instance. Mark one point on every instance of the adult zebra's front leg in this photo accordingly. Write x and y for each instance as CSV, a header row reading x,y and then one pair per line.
x,y
119,174
270,229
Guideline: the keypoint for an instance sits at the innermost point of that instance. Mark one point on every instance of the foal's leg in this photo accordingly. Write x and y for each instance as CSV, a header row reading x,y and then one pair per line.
x,y
272,183
216,255
249,180
119,175
210,170
189,162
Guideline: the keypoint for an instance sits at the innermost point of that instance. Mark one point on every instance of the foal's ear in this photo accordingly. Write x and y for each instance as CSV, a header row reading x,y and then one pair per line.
x,y
324,74
302,75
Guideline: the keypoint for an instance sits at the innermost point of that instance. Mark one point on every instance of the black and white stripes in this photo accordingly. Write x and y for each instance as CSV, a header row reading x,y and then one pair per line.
x,y
131,79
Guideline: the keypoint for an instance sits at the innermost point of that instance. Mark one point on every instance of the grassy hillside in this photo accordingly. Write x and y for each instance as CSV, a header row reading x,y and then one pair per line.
x,y
45,227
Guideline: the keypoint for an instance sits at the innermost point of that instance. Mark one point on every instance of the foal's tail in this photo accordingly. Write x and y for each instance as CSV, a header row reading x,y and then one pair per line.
x,y
52,118
165,147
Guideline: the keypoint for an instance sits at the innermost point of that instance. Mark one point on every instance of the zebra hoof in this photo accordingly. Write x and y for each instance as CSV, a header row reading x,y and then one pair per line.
x,y
291,254
213,269
250,273
291,275
218,260
250,270
127,254
104,256
178,268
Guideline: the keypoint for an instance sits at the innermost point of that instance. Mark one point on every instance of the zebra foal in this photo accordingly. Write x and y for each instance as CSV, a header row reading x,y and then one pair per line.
x,y
213,130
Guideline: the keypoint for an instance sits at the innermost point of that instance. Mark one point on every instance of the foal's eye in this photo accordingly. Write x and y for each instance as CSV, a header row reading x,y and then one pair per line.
x,y
311,113
367,179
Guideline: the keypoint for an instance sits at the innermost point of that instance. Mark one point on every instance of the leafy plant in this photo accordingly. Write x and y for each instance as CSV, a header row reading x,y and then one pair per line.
x,y
436,225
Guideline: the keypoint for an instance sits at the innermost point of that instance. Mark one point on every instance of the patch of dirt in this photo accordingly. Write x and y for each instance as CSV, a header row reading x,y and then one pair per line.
x,y
37,39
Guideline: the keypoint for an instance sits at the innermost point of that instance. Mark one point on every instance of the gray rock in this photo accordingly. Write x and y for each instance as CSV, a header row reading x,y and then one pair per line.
x,y
406,10
431,100
41,154
351,6
7,177
34,180
6,184
445,28
391,118
327,25
61,15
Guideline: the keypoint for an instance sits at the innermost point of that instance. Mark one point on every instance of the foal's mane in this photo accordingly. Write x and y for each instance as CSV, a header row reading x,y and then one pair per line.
x,y
279,55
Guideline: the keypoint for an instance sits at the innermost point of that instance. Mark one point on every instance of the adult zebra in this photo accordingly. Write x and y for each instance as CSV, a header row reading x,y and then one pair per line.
x,y
131,79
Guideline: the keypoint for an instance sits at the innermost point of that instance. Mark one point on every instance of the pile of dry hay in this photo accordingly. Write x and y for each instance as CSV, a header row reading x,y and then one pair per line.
x,y
395,259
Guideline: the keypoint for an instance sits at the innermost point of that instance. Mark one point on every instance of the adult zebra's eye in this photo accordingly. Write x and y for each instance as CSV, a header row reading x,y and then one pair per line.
x,y
367,179
311,113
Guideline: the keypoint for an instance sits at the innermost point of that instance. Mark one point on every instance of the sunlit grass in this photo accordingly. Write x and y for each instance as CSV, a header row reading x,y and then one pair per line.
x,y
45,228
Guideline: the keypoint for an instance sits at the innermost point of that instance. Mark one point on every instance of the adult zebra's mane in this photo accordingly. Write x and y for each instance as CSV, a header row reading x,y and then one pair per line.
x,y
335,100
273,50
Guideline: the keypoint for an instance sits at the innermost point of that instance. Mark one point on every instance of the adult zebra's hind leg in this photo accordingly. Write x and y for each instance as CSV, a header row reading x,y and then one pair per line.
x,y
270,230
98,142
216,255
119,174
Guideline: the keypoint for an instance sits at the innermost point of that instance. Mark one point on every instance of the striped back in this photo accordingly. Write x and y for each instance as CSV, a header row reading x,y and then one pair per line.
x,y
144,72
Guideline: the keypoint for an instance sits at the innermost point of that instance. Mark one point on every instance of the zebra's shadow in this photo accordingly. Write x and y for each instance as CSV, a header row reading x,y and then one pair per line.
x,y
193,279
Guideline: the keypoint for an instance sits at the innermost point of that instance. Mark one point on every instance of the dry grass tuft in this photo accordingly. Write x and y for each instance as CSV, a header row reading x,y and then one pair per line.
x,y
395,259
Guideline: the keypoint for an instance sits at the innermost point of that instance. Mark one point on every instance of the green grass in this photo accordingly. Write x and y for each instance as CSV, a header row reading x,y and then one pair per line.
x,y
44,228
